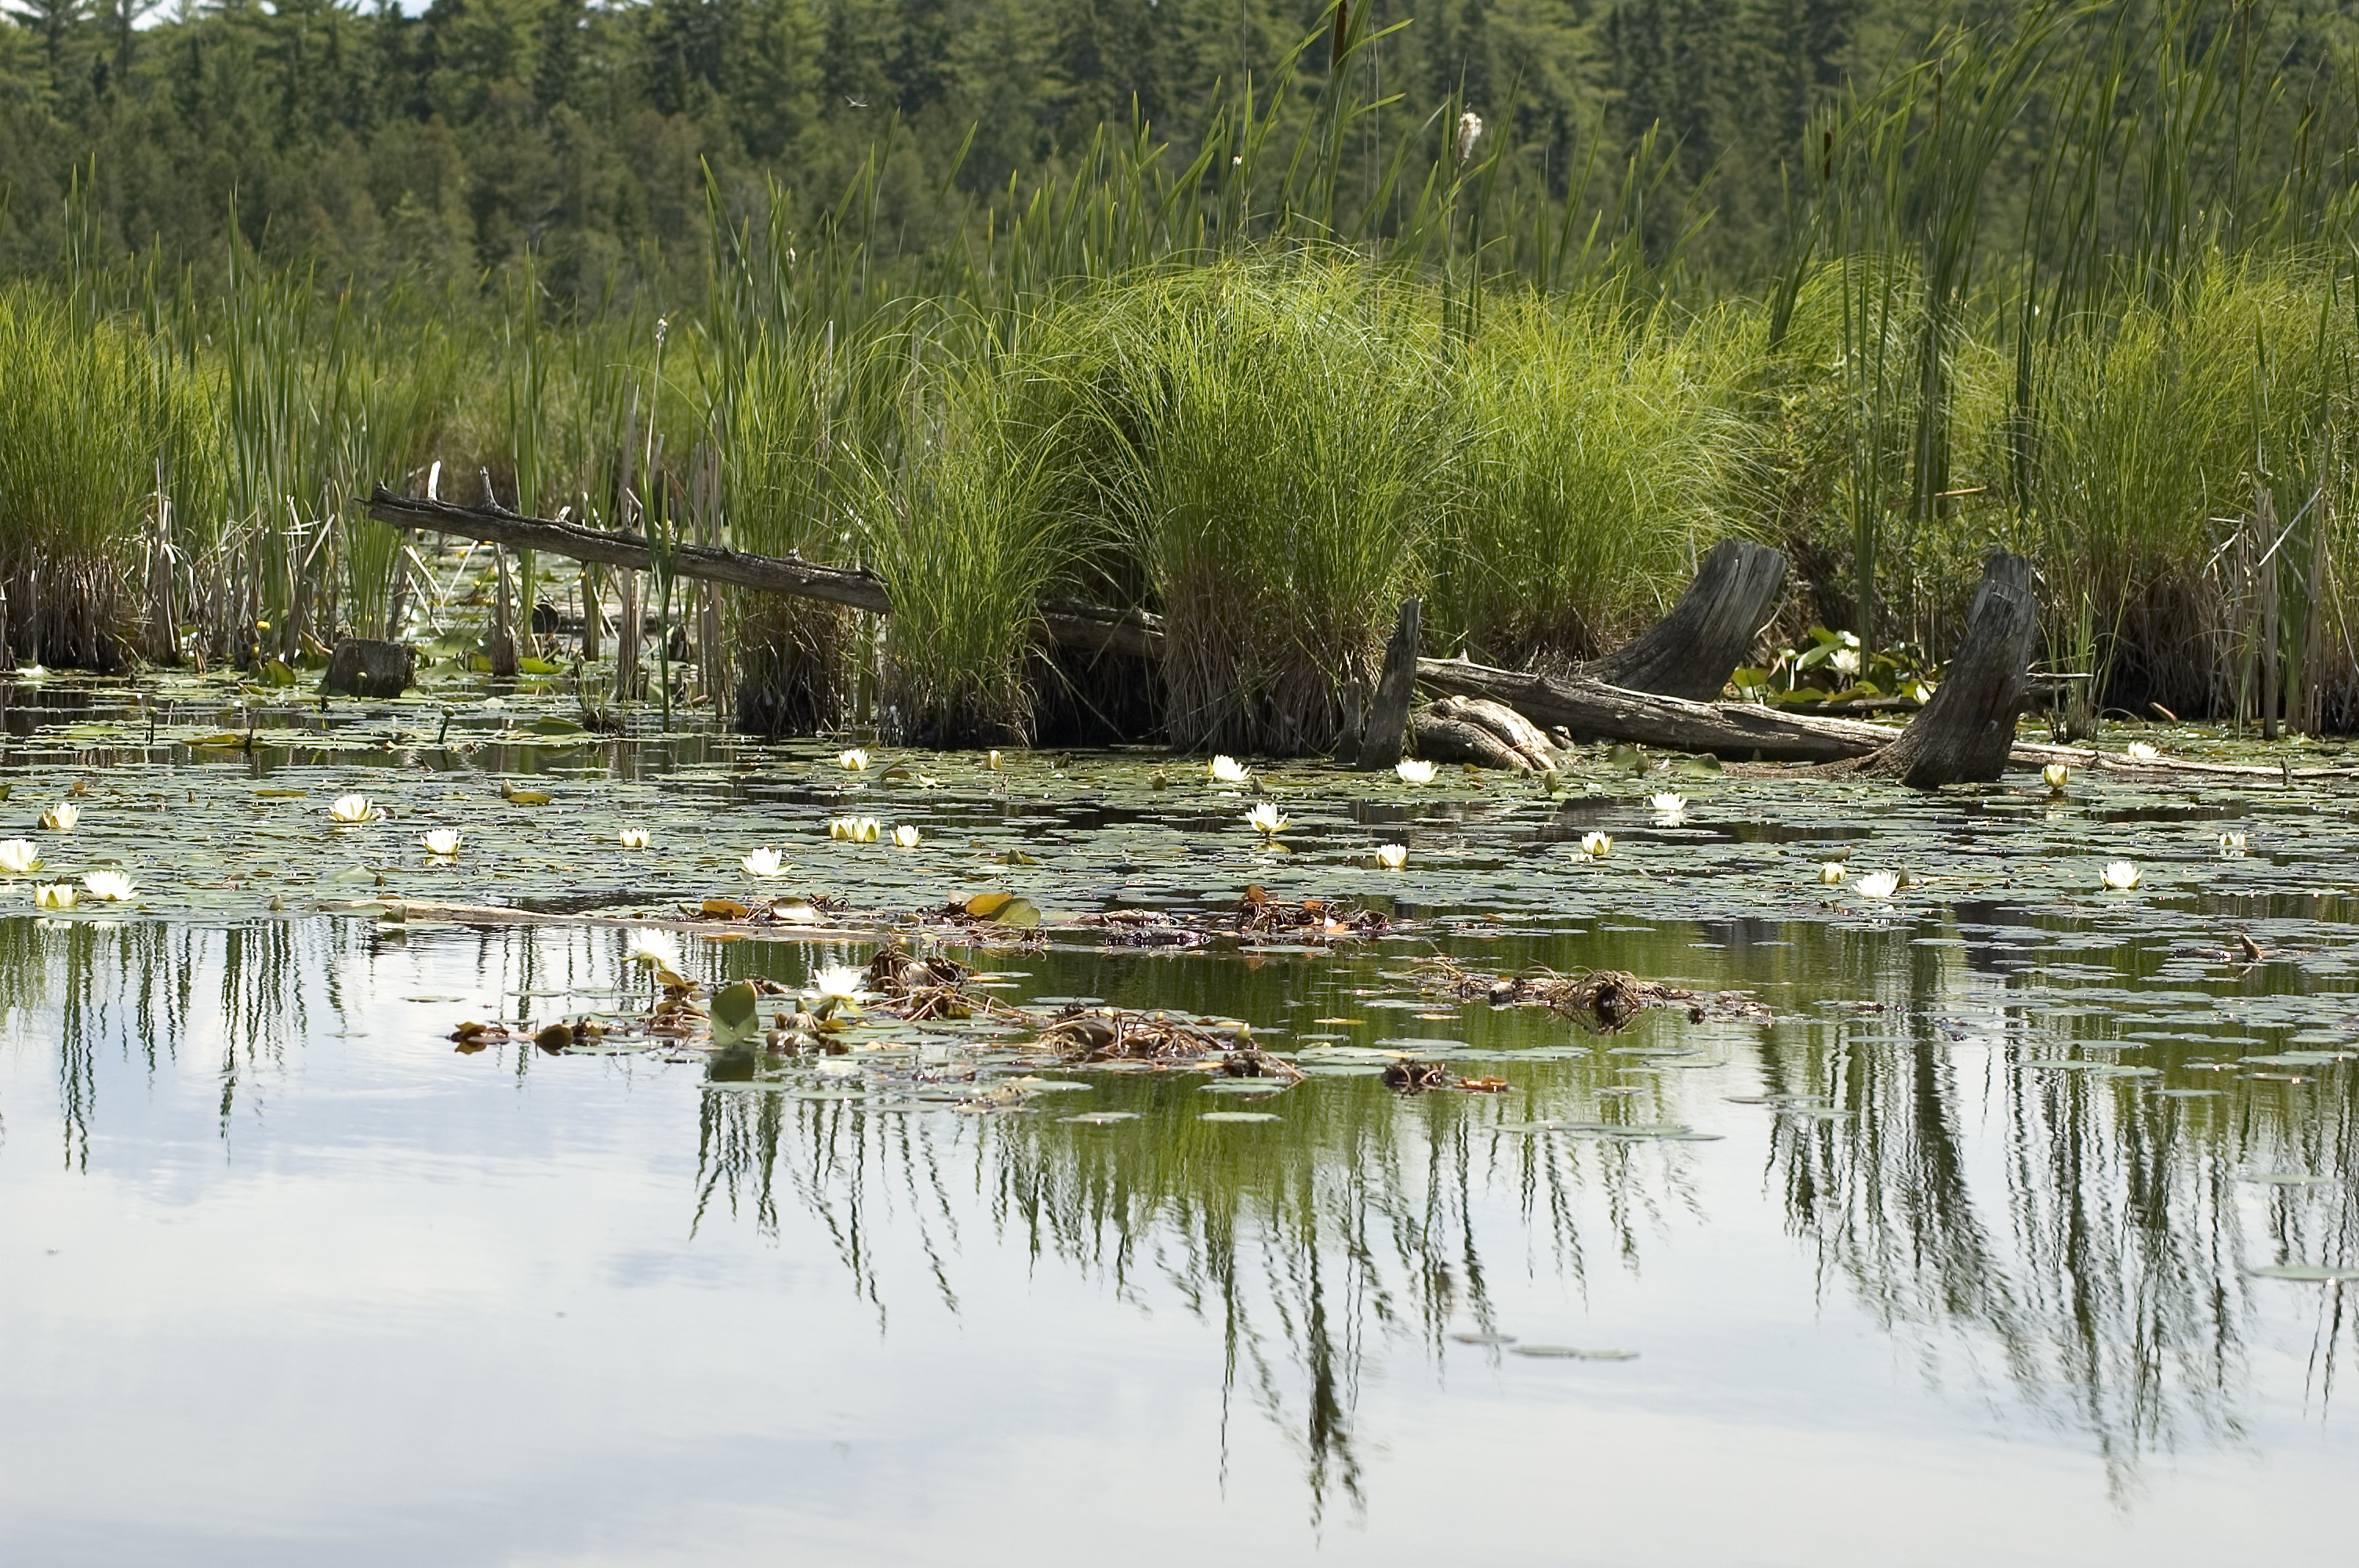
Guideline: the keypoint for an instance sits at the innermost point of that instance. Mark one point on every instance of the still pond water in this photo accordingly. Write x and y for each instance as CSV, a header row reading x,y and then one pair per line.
x,y
1972,1250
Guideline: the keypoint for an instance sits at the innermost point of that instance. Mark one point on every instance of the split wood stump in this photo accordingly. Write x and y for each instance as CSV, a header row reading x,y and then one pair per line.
x,y
1965,734
1710,631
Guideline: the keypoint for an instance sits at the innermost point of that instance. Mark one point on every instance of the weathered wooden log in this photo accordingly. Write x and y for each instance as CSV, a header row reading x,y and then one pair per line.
x,y
1386,725
1710,631
1443,736
1591,710
1965,732
1488,734
1077,625
362,666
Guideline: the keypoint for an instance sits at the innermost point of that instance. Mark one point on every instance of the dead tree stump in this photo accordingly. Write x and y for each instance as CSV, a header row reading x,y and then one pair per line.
x,y
1709,632
1388,721
361,666
1965,733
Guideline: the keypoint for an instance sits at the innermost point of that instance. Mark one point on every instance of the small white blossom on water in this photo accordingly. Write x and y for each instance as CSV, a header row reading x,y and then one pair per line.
x,y
111,886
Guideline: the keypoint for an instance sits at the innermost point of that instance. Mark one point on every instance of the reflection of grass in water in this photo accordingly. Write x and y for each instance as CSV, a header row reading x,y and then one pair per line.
x,y
2105,1269
151,989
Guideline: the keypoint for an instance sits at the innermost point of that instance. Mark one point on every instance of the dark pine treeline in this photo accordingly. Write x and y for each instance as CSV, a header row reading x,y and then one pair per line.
x,y
452,142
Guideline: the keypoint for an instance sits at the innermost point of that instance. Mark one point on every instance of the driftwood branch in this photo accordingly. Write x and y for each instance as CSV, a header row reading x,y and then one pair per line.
x,y
1091,627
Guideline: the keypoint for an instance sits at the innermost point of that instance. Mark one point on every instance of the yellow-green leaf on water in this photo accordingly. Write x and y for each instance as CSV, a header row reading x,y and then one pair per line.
x,y
538,667
983,905
1018,912
736,1014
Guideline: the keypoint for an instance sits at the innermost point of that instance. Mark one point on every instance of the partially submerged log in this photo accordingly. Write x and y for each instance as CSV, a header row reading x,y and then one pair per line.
x,y
1593,710
1086,626
1710,631
1965,733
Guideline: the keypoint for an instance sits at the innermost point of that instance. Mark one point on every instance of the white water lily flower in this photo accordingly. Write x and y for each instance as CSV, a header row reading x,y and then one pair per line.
x,y
1227,770
1392,856
2055,773
658,950
61,817
906,837
53,895
18,858
352,809
1667,805
2121,876
1269,818
839,983
2139,751
442,842
632,837
2232,843
1879,884
1844,661
111,886
993,763
839,827
764,862
1415,769
864,830
853,761
1831,872
1596,846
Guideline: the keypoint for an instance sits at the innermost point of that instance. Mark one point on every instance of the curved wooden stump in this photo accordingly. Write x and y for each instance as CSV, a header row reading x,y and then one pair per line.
x,y
1965,734
1710,631
1388,721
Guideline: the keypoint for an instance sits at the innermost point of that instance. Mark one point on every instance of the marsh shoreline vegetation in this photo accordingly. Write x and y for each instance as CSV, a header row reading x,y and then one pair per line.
x,y
2042,280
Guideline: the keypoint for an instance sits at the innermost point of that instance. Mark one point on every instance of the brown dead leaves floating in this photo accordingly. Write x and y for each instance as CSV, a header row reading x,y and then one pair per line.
x,y
1604,1000
1411,1077
1318,919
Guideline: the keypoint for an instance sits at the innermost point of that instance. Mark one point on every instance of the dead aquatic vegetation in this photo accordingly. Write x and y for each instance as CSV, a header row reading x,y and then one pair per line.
x,y
1258,915
791,912
1605,1000
1411,1077
1106,1034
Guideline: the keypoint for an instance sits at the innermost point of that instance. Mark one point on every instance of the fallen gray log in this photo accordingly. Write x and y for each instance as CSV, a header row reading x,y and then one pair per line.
x,y
1710,631
1593,710
1076,625
1488,734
